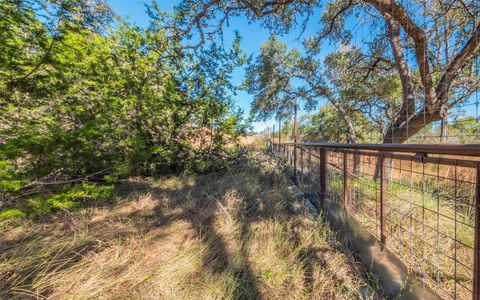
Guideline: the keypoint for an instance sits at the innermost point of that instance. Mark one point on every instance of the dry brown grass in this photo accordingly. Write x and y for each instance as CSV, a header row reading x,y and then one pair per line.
x,y
226,235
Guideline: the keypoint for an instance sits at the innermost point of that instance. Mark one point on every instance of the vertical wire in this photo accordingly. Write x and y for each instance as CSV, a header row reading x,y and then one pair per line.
x,y
445,130
411,204
400,211
359,183
476,74
358,187
438,226
373,191
310,168
424,89
390,199
423,222
455,233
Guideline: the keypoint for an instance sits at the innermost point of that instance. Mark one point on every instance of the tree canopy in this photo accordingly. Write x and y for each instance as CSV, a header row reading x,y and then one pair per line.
x,y
430,45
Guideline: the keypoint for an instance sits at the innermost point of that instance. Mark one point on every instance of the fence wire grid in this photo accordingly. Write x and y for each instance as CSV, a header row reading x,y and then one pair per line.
x,y
421,207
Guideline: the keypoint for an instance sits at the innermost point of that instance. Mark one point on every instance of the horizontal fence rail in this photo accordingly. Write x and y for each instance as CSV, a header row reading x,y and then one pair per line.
x,y
420,201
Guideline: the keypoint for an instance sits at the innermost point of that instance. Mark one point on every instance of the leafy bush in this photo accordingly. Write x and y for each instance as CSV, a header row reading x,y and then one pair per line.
x,y
79,102
69,198
8,181
11,214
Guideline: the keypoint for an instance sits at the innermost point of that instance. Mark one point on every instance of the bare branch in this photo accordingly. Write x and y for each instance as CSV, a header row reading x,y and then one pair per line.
x,y
334,19
50,183
468,52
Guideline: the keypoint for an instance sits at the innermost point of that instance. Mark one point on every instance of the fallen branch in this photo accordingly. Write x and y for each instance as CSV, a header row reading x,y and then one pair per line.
x,y
50,183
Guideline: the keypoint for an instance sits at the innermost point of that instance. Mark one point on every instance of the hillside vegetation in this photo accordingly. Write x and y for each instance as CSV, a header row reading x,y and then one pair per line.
x,y
86,97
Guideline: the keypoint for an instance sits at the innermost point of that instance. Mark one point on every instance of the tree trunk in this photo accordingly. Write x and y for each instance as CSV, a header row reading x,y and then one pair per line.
x,y
444,130
398,133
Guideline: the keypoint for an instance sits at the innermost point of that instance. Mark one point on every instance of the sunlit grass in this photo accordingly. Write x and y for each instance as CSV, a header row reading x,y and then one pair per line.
x,y
227,235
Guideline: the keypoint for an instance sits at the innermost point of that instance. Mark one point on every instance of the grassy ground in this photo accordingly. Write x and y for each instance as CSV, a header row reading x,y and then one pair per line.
x,y
227,235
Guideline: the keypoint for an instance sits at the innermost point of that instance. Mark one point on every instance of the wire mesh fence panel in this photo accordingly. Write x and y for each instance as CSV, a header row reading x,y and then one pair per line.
x,y
422,207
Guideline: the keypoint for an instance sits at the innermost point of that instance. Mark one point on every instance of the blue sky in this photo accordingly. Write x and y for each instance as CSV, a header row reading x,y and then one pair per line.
x,y
253,35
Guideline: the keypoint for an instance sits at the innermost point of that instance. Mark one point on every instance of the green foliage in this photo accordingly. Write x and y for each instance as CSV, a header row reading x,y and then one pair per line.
x,y
467,129
11,214
8,181
324,126
269,79
68,198
359,106
88,96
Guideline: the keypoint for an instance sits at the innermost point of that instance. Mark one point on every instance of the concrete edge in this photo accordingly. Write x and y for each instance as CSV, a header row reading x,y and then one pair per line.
x,y
394,277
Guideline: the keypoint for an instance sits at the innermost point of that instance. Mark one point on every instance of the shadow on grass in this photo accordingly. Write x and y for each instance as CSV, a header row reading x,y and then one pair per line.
x,y
206,195
310,257
56,245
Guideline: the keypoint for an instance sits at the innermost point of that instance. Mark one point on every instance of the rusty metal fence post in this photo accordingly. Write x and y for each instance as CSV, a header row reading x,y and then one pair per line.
x,y
323,174
279,130
383,182
309,165
295,163
345,179
301,166
476,247
290,155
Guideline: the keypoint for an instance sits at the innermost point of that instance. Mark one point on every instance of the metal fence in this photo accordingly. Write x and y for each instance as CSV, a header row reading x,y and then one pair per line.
x,y
419,201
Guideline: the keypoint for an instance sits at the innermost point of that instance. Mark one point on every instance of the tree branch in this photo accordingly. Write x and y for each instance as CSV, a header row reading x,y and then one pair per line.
x,y
334,19
408,103
50,183
399,14
467,53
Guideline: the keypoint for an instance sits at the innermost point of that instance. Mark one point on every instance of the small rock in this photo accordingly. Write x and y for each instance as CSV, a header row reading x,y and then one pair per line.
x,y
298,195
297,208
311,210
